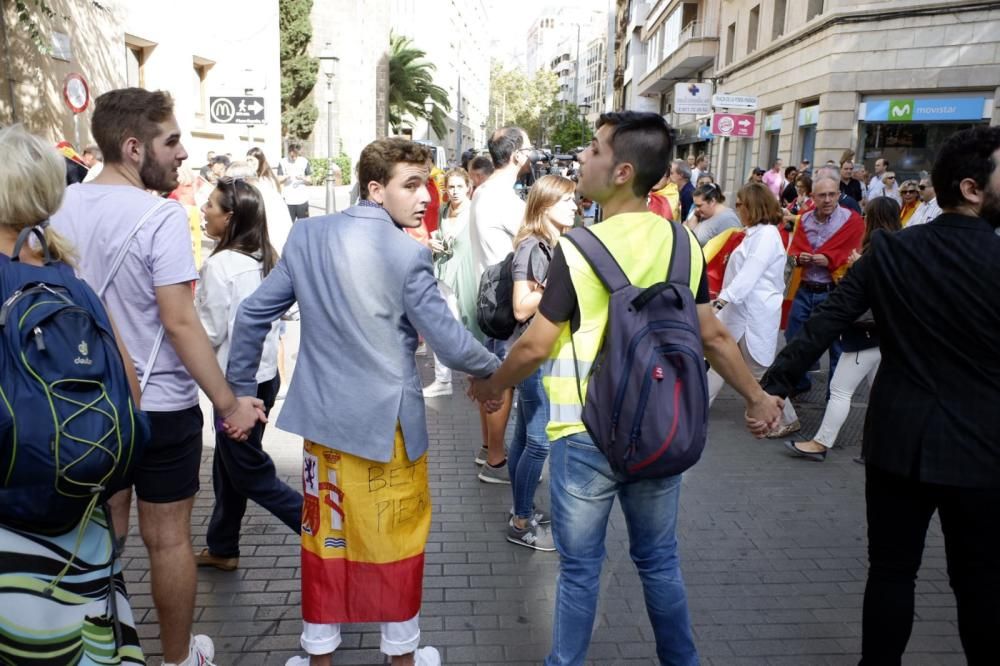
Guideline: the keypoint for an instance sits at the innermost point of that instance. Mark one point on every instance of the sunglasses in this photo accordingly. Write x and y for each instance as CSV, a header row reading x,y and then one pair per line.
x,y
890,178
908,192
921,187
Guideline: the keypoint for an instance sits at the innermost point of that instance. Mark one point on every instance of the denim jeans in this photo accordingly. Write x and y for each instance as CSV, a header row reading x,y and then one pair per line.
x,y
530,445
583,491
803,305
242,470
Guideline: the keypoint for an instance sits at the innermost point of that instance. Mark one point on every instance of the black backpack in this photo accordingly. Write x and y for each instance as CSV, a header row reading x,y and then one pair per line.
x,y
646,406
495,300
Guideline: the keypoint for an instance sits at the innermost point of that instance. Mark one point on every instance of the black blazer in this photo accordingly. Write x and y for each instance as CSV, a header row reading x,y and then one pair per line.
x,y
934,412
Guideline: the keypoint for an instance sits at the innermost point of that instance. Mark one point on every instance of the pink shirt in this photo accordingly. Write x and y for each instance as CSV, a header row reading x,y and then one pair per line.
x,y
774,180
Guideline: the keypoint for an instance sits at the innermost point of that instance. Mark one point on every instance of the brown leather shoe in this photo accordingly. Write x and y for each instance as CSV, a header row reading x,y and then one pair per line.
x,y
206,559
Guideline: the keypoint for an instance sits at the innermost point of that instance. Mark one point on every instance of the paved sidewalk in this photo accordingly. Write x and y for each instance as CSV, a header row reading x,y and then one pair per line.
x,y
773,553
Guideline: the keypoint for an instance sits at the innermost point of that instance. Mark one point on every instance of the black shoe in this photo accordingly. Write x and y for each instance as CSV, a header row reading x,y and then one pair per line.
x,y
860,460
796,452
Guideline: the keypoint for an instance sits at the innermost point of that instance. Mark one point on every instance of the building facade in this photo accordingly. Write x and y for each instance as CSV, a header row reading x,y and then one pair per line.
x,y
888,80
135,43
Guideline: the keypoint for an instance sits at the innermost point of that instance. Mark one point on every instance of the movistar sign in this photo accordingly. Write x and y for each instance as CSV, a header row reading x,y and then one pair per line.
x,y
921,110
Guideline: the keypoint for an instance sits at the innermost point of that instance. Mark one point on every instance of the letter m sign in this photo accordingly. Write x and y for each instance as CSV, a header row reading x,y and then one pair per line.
x,y
900,110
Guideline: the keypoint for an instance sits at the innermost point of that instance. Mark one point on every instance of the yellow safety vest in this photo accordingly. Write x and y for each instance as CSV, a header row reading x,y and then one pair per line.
x,y
642,243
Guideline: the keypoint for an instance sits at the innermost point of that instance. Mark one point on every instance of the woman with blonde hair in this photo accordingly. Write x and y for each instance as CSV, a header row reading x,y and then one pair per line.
x,y
64,599
753,289
549,213
910,194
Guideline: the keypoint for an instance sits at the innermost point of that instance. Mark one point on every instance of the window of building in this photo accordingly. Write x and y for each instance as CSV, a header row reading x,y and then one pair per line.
x,y
200,86
752,29
135,59
814,9
730,42
778,20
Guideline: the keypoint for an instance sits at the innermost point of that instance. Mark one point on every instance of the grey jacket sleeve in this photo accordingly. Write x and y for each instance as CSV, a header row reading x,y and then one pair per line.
x,y
253,322
428,312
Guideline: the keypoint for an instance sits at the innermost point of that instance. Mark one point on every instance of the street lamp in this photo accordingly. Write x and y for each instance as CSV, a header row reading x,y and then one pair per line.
x,y
584,108
429,109
328,63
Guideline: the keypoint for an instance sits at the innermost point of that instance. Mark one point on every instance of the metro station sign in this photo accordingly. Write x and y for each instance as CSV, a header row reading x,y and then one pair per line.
x,y
741,125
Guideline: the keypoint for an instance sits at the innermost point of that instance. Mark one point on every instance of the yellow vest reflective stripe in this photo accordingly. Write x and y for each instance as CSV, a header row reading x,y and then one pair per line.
x,y
642,243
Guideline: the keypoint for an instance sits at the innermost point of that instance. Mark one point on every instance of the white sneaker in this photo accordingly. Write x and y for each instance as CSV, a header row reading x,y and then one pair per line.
x,y
427,656
298,661
201,652
437,388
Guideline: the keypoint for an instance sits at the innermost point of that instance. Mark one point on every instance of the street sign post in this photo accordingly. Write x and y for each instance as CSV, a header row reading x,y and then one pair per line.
x,y
76,94
724,101
734,124
242,110
693,97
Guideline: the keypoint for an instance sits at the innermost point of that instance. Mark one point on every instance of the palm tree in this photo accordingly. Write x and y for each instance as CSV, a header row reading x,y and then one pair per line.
x,y
411,84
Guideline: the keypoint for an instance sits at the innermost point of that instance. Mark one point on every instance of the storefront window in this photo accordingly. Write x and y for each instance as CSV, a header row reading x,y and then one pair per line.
x,y
807,139
909,147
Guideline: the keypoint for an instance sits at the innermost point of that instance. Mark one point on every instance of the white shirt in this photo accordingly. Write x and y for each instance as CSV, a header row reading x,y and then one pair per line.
x,y
753,288
876,188
226,279
294,189
279,222
494,218
925,213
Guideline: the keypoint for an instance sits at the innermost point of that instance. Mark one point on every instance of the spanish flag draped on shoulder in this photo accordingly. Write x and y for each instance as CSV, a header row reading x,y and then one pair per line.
x,y
717,252
666,202
837,248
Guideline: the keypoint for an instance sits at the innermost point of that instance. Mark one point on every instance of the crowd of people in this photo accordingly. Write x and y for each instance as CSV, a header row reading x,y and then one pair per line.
x,y
817,253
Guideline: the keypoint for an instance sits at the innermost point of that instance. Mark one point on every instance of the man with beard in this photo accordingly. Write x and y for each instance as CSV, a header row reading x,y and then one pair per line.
x,y
930,440
114,222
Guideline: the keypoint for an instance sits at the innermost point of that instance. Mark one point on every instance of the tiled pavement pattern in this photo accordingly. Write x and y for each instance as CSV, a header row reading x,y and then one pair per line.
x,y
773,553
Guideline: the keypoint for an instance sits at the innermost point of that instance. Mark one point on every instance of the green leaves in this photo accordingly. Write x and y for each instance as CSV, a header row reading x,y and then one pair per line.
x,y
411,84
517,99
298,69
28,12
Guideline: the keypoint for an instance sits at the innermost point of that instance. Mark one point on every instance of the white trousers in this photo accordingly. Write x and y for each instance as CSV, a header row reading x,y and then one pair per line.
x,y
397,637
442,373
851,370
716,382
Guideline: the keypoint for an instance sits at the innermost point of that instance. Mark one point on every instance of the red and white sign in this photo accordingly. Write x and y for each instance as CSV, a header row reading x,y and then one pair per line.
x,y
76,92
734,124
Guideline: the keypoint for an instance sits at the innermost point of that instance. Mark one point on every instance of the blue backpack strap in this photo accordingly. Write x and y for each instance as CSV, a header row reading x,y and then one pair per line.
x,y
605,266
679,271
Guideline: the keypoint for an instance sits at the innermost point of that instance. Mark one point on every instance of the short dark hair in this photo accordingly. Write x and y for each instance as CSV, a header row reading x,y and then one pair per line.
x,y
128,112
644,140
966,154
709,192
880,213
221,159
380,157
807,183
481,163
504,143
789,170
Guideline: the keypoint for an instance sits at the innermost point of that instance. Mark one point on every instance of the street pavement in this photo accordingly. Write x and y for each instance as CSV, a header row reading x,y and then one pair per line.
x,y
772,548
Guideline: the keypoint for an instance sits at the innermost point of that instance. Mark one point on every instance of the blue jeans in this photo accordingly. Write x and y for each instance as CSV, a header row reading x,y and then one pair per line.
x,y
803,305
583,491
530,446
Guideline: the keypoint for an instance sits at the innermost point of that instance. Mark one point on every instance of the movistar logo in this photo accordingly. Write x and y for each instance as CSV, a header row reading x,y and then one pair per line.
x,y
900,111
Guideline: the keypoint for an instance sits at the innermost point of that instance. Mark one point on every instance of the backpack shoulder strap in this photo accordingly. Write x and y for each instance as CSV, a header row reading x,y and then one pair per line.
x,y
123,250
117,264
679,271
607,268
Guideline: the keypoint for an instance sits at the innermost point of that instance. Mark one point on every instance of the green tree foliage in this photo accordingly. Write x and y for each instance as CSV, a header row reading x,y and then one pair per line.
x,y
411,84
566,126
298,69
517,99
28,13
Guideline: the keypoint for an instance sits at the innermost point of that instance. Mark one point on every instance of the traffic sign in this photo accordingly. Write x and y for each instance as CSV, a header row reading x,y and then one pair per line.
x,y
704,132
734,124
236,110
76,92
724,101
694,97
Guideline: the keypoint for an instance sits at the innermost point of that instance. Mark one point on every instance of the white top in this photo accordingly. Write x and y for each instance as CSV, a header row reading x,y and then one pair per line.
x,y
96,219
494,218
294,189
876,188
279,222
925,213
754,287
226,279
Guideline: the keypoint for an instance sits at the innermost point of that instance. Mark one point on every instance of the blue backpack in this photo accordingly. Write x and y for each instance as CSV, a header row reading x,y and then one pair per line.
x,y
647,399
70,434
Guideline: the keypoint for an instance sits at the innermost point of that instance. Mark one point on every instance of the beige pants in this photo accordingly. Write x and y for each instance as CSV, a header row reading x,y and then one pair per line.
x,y
715,382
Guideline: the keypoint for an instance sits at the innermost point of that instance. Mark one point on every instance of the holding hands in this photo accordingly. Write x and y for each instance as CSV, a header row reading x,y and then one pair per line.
x,y
482,390
763,414
242,417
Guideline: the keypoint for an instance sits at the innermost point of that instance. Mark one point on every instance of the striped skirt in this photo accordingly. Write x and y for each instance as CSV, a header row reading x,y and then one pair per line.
x,y
72,622
364,529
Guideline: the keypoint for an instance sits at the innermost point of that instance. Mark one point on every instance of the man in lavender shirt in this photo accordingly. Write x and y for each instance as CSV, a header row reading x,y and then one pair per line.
x,y
138,134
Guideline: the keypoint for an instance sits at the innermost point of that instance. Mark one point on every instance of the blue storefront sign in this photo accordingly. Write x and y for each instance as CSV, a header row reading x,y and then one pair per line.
x,y
907,110
704,132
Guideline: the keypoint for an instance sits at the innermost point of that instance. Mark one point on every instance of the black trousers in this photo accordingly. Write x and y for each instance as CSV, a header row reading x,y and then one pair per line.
x,y
899,511
241,471
298,211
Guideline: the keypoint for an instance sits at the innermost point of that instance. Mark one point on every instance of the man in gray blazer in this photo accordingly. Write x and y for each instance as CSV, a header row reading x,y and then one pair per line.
x,y
365,291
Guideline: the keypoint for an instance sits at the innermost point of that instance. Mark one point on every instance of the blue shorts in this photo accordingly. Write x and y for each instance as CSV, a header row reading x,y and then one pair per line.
x,y
498,347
